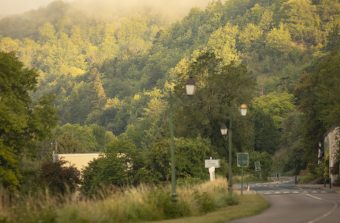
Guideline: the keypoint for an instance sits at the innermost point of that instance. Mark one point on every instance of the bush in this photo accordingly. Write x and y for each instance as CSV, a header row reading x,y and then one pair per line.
x,y
59,178
103,173
205,202
231,200
175,209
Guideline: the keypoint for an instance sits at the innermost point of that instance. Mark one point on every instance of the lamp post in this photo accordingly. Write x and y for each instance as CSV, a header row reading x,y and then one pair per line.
x,y
190,90
224,133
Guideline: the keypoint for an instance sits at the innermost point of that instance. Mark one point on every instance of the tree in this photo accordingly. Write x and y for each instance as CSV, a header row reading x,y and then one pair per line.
x,y
58,178
250,35
104,172
266,134
22,121
118,167
302,21
265,161
279,39
221,89
276,105
318,98
190,155
9,172
223,42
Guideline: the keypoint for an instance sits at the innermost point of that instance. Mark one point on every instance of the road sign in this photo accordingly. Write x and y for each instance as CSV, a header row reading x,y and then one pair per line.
x,y
242,159
257,166
212,163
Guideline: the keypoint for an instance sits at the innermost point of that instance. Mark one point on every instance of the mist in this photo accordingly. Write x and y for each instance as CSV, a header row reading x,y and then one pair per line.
x,y
168,8
164,7
10,7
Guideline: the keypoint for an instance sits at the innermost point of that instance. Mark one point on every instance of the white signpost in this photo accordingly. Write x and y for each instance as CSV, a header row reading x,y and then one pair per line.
x,y
211,165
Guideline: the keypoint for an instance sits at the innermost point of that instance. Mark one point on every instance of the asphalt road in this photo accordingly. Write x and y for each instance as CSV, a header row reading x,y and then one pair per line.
x,y
292,204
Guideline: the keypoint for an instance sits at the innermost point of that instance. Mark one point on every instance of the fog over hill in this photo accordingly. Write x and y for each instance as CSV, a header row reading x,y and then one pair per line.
x,y
104,7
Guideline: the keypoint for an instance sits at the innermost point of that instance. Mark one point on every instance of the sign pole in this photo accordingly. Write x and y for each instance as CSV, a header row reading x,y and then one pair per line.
x,y
242,181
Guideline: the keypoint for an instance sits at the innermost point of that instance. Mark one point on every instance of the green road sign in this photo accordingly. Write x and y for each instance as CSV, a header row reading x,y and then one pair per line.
x,y
242,159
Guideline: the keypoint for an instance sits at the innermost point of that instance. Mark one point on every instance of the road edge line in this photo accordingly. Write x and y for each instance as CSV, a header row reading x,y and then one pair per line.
x,y
335,206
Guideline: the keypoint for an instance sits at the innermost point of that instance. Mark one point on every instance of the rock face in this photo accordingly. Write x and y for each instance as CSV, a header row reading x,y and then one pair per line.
x,y
332,144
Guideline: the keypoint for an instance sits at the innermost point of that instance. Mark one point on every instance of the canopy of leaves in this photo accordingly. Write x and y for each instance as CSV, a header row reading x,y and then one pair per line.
x,y
23,122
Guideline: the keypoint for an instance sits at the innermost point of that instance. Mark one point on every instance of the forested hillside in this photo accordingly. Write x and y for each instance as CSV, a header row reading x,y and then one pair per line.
x,y
111,76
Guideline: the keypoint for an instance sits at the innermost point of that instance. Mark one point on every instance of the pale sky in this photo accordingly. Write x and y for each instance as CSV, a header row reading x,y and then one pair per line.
x,y
9,7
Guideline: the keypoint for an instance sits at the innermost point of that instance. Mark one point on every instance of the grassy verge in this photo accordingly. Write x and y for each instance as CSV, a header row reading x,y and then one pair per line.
x,y
136,204
249,205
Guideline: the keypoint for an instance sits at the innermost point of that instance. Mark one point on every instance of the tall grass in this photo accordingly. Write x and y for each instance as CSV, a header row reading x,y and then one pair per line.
x,y
129,205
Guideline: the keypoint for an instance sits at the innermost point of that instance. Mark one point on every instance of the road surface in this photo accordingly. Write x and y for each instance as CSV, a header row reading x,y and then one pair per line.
x,y
292,204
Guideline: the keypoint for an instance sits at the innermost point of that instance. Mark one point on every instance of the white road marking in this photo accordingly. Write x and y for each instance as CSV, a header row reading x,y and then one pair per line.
x,y
312,196
335,206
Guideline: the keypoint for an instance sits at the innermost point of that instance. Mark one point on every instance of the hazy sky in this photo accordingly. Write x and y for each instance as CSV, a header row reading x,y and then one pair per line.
x,y
8,7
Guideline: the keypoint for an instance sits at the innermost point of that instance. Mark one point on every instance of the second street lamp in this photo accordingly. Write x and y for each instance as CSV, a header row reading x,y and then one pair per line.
x,y
224,132
190,90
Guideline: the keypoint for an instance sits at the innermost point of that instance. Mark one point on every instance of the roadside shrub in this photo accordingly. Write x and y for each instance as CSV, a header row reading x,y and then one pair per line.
x,y
176,209
58,178
231,200
103,173
205,202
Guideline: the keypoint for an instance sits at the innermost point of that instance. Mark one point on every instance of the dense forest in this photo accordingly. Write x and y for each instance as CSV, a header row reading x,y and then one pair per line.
x,y
102,84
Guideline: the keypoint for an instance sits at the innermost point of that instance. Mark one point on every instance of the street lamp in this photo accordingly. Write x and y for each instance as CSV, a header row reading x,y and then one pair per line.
x,y
190,90
243,109
224,130
224,133
190,86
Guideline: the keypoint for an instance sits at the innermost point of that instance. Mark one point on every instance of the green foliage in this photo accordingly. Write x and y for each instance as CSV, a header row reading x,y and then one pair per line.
x,y
276,105
223,43
232,200
318,98
302,20
58,178
295,158
102,173
205,202
221,89
190,155
22,121
80,139
279,39
265,160
266,134
173,209
9,168
121,165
